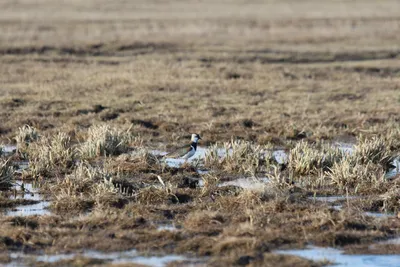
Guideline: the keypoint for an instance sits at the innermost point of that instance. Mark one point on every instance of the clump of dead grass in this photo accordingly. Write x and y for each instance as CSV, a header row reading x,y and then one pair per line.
x,y
391,199
153,195
49,154
5,257
6,174
104,140
204,221
210,183
25,135
232,245
106,194
375,150
244,200
278,184
140,160
359,177
86,186
239,157
390,134
305,158
320,165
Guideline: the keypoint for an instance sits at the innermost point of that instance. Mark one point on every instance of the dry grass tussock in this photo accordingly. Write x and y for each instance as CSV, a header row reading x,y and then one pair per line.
x,y
49,155
305,158
244,200
154,195
6,174
359,178
104,140
210,183
204,221
56,153
390,201
138,161
86,186
361,170
239,157
376,150
392,135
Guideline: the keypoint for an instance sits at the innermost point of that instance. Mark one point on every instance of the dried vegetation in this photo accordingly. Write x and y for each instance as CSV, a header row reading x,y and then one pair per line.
x,y
91,88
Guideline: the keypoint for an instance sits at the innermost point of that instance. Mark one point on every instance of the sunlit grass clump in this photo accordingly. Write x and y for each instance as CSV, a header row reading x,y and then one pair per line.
x,y
306,158
390,133
104,140
345,175
6,174
51,154
322,165
86,186
239,157
375,150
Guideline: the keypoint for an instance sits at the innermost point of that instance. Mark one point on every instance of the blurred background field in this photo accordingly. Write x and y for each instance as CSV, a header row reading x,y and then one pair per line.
x,y
259,70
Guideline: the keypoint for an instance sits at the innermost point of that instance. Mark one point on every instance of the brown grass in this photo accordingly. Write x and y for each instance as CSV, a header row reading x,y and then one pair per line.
x,y
95,67
6,174
90,88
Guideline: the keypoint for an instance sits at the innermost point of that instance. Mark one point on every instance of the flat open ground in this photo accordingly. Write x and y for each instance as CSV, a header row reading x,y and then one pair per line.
x,y
274,73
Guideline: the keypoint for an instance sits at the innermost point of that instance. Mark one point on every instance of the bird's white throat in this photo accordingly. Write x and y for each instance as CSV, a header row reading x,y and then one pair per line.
x,y
195,138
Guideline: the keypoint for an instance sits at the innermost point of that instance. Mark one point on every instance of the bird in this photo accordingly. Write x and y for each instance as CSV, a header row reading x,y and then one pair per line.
x,y
186,151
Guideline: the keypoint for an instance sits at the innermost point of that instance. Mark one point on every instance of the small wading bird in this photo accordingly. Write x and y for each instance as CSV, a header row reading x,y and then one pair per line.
x,y
187,151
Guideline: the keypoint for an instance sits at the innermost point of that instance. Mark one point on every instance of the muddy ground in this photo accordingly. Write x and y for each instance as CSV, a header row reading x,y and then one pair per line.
x,y
270,73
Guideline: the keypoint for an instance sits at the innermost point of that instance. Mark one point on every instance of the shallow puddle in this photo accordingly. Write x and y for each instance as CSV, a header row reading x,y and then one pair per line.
x,y
280,156
167,227
340,260
331,199
379,215
20,166
253,184
30,210
202,172
392,241
131,256
8,149
30,193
